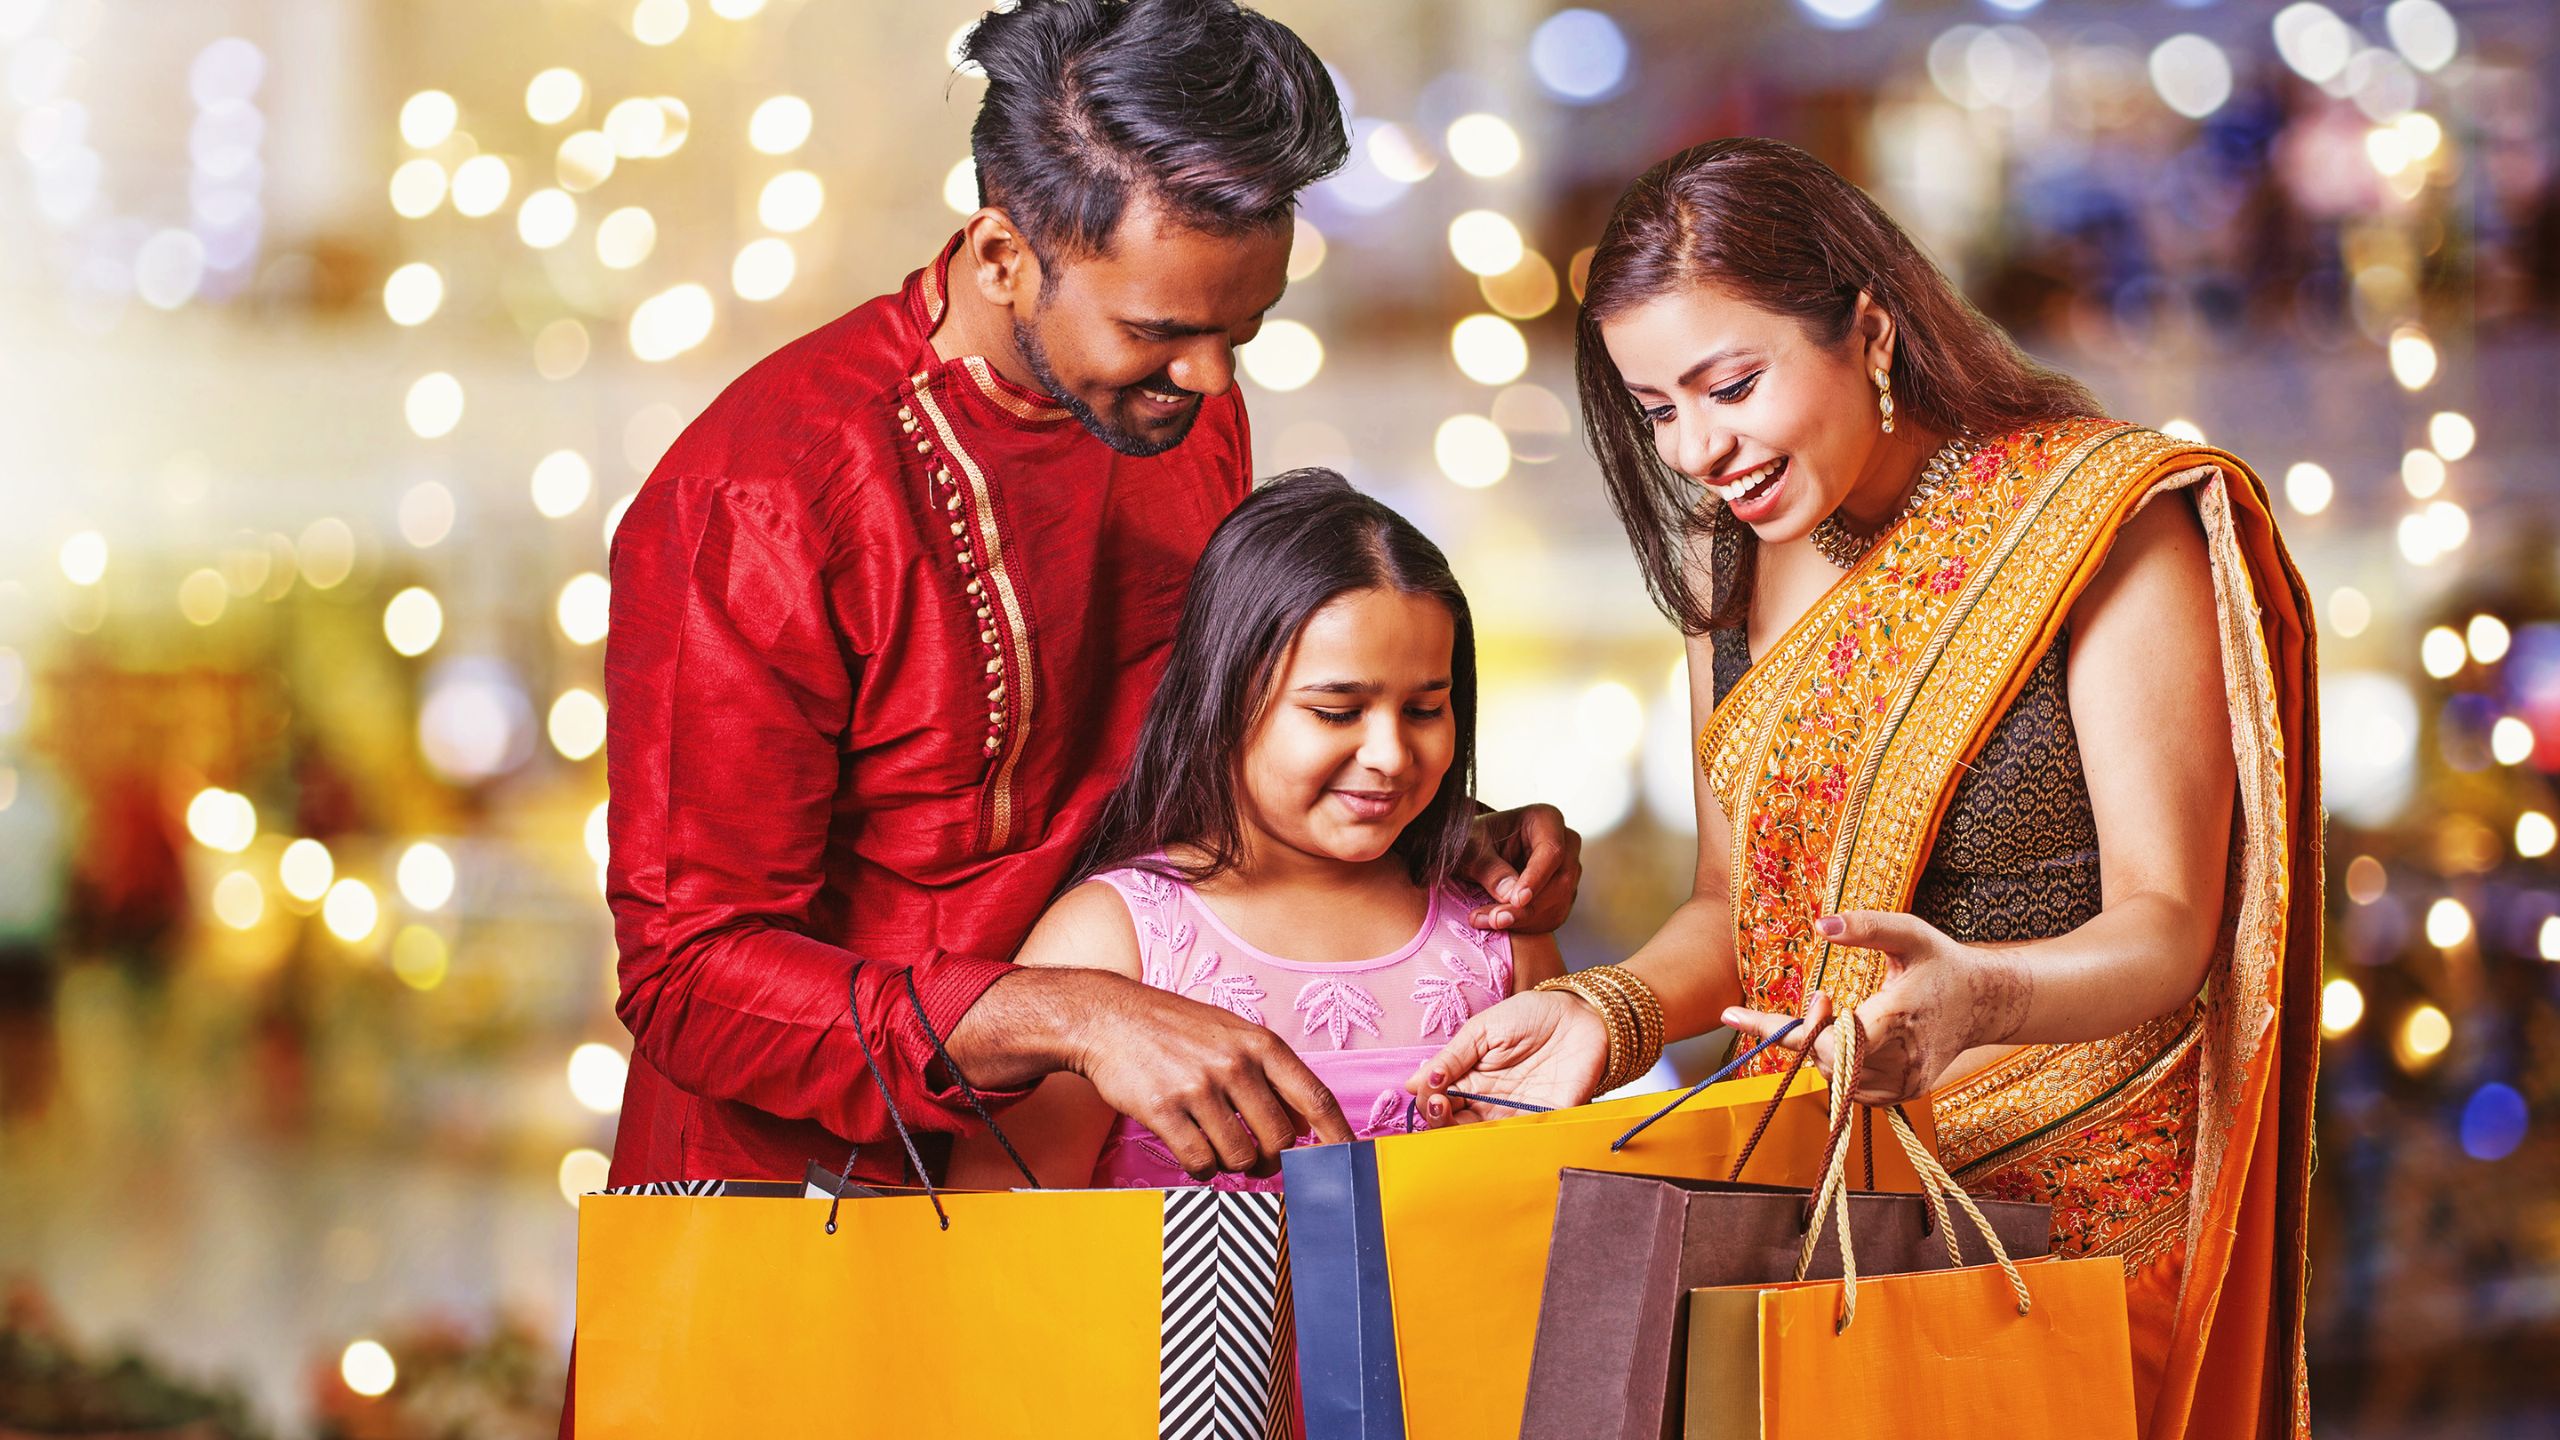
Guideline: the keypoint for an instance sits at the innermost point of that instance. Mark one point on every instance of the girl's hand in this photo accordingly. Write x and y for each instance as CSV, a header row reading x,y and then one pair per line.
x,y
1939,999
1545,1047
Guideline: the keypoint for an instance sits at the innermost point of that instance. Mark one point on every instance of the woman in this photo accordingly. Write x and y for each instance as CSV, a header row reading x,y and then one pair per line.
x,y
2006,720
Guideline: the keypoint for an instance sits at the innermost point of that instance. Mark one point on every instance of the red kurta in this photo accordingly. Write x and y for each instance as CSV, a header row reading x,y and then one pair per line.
x,y
883,629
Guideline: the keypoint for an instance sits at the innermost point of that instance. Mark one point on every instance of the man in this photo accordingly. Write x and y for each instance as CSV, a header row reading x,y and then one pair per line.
x,y
887,615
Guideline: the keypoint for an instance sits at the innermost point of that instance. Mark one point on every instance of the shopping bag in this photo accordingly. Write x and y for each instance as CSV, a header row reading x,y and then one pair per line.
x,y
2034,1348
1462,1220
873,1312
1628,1249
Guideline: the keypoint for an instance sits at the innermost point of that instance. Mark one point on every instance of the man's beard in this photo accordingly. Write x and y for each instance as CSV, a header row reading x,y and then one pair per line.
x,y
1035,358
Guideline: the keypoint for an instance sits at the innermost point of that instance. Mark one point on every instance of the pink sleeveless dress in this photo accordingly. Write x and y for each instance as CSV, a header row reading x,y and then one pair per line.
x,y
1363,1027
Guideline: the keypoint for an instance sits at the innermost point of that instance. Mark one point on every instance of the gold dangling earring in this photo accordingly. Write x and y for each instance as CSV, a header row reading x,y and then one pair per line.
x,y
1884,397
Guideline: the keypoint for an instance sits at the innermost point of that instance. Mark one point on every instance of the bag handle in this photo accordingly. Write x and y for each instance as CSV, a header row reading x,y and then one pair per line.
x,y
1938,1185
1685,1096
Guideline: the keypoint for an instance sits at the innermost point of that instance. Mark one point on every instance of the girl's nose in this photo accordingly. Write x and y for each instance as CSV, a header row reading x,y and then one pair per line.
x,y
1383,747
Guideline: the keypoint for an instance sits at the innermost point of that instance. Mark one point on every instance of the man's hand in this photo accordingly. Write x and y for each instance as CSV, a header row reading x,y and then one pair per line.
x,y
1530,862
1220,1092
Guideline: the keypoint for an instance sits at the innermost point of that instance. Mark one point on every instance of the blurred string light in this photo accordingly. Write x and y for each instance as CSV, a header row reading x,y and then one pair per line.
x,y
562,481
425,875
1284,357
169,268
2341,1006
203,596
2441,652
2424,33
637,127
560,349
2349,611
367,1369
1979,67
764,269
2452,434
1485,242
222,820
2487,638
239,901
417,188
2548,939
2510,741
1534,420
791,201
960,187
1361,185
480,186
426,514
434,405
780,125
427,119
1841,14
1489,349
554,95
413,293
306,870
1580,56
595,832
2192,75
2367,881
671,322
625,237
419,957
2309,488
737,9
2368,745
1398,155
2448,923
585,608
413,621
596,1075
2380,83
2313,41
1471,450
2536,834
1483,145
584,161
546,218
660,22
2184,429
83,558
2424,1034
583,1172
327,552
576,724
2422,473
1306,250
2495,1118
1523,292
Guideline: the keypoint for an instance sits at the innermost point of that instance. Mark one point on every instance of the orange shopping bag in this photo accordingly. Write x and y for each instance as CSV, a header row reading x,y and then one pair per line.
x,y
2033,1348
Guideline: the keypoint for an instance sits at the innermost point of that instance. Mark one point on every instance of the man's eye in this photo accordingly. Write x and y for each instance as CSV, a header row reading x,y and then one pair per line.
x,y
1737,389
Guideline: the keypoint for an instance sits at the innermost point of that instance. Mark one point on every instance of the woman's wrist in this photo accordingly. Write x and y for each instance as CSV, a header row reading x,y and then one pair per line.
x,y
2000,993
1630,1013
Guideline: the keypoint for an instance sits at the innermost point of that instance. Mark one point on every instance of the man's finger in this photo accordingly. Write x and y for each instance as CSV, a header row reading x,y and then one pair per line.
x,y
1307,1097
1492,874
1227,1135
1268,1119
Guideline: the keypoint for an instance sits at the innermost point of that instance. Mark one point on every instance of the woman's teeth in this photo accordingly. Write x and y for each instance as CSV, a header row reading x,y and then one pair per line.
x,y
1748,481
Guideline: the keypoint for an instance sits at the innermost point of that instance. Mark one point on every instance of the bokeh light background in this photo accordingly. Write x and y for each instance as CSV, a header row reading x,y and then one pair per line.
x,y
335,334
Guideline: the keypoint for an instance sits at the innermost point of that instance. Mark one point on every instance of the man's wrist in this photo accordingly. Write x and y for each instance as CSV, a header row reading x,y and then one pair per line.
x,y
1028,1026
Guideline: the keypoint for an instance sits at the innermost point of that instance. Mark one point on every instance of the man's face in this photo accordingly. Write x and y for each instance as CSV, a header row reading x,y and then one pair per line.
x,y
1130,342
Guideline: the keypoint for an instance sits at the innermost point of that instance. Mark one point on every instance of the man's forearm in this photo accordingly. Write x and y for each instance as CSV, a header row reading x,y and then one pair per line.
x,y
1028,1025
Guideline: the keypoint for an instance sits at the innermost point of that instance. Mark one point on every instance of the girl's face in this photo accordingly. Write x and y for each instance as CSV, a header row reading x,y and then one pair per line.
x,y
1357,733
1743,401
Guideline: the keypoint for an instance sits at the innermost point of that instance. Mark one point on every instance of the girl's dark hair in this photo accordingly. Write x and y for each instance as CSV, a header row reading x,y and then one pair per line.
x,y
1293,545
1776,228
1221,114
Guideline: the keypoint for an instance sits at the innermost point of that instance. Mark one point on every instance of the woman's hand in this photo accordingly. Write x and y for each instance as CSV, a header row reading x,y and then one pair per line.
x,y
1542,1048
1939,999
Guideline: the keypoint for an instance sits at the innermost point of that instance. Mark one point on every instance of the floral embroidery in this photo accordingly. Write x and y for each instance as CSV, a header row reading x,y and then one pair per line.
x,y
1337,1007
1156,891
1843,654
1392,1113
1166,951
1443,998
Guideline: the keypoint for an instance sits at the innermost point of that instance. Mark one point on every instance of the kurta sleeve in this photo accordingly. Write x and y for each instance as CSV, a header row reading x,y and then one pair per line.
x,y
728,695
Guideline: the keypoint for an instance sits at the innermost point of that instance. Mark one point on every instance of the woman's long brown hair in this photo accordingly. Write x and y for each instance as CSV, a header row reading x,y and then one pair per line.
x,y
1773,226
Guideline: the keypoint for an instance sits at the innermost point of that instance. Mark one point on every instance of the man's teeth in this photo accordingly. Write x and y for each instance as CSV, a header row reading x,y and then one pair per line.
x,y
1750,480
1160,395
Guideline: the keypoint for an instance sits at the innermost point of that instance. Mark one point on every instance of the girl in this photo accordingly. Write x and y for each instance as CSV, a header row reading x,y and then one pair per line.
x,y
1286,844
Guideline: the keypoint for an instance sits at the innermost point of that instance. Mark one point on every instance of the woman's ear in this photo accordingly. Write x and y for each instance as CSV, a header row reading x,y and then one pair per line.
x,y
1873,327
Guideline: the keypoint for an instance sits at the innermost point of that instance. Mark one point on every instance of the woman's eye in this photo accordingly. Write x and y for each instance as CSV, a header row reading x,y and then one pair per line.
x,y
1737,389
1657,415
1336,717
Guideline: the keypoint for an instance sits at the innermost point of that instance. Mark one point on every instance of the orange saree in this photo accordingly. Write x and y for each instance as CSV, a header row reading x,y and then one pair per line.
x,y
2182,1146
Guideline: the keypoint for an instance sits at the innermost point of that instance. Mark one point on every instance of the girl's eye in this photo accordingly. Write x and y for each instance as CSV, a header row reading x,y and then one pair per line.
x,y
1737,390
1425,712
1336,717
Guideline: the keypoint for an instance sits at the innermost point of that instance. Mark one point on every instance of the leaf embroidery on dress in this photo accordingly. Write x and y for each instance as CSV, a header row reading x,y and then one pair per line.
x,y
1443,998
1390,1114
1336,1006
1240,996
1168,948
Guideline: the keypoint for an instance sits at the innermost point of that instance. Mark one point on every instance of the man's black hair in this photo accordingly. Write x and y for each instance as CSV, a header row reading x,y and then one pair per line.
x,y
1220,114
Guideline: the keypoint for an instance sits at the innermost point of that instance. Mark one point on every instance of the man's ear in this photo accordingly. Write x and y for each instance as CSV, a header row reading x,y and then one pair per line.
x,y
999,259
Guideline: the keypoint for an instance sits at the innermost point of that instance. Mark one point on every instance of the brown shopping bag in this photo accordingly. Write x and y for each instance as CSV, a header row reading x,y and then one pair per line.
x,y
2039,1348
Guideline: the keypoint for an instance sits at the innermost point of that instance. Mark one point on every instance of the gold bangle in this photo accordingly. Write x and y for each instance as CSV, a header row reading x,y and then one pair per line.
x,y
1646,1020
1617,1018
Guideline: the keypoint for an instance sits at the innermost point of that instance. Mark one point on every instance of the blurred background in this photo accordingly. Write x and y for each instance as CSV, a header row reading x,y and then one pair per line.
x,y
335,334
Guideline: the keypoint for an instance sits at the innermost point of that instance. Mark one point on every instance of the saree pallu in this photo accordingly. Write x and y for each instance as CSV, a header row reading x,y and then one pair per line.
x,y
2182,1146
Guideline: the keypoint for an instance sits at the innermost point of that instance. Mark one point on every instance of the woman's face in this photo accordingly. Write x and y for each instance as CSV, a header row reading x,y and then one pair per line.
x,y
1745,402
1357,734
